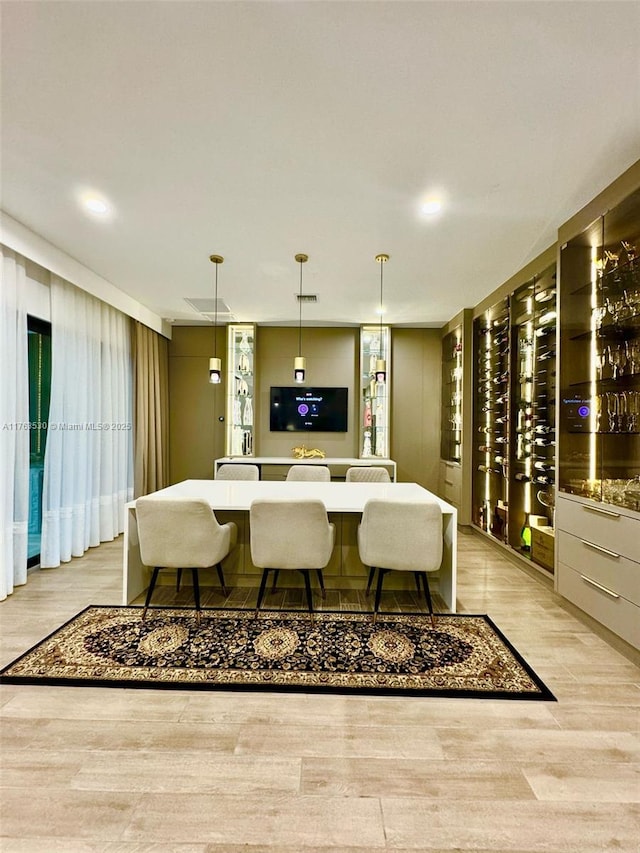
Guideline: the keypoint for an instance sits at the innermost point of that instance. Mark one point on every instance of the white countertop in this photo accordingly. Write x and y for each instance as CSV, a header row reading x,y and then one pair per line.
x,y
336,496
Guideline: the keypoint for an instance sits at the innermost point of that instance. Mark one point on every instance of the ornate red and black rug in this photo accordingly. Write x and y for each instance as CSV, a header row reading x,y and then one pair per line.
x,y
335,652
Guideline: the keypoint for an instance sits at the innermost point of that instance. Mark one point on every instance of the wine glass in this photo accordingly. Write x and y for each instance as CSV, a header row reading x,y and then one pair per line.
x,y
617,360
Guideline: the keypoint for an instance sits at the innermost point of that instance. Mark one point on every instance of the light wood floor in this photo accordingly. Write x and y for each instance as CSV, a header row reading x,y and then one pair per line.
x,y
89,769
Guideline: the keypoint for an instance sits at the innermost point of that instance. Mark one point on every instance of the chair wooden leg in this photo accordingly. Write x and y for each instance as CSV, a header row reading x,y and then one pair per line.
x,y
196,591
221,579
427,594
381,574
417,577
323,591
274,586
372,572
307,584
263,584
147,600
178,580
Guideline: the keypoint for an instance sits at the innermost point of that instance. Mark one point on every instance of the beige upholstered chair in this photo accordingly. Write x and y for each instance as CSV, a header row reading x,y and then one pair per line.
x,y
367,474
401,536
229,471
182,533
290,535
309,472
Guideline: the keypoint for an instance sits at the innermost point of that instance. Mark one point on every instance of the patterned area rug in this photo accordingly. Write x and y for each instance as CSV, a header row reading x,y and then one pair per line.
x,y
339,652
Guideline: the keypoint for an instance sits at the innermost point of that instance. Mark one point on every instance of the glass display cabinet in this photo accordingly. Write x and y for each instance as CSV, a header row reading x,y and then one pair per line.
x,y
513,488
532,416
375,344
600,367
240,390
452,396
491,429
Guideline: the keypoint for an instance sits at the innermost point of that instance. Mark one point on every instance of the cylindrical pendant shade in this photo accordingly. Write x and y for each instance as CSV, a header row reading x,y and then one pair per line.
x,y
299,369
215,371
381,370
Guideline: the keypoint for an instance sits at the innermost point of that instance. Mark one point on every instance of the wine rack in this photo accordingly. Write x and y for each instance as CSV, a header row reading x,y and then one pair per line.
x,y
491,420
533,394
513,489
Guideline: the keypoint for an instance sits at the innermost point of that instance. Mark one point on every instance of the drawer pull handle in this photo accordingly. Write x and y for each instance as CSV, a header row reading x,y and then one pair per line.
x,y
602,511
448,482
599,586
600,548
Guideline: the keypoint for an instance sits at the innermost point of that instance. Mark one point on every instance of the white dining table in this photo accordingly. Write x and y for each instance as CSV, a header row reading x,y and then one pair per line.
x,y
236,496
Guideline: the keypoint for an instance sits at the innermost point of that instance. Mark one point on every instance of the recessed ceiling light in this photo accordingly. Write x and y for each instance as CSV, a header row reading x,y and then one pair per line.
x,y
95,204
431,206
381,310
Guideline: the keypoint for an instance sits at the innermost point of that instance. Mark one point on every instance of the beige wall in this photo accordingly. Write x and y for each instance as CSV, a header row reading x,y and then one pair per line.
x,y
332,357
416,356
197,437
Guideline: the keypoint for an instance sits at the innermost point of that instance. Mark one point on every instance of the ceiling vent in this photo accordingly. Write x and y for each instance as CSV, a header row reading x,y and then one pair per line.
x,y
307,297
207,307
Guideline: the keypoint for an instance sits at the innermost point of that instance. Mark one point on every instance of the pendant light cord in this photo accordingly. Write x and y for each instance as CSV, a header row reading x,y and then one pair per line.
x,y
381,268
300,320
215,318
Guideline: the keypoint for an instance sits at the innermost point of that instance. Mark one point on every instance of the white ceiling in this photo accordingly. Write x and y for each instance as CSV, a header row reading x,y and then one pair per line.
x,y
257,130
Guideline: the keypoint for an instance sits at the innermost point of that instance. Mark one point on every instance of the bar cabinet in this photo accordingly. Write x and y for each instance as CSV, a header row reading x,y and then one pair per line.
x,y
598,509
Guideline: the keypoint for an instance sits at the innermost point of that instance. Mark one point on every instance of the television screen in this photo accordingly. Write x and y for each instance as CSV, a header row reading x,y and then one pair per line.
x,y
309,409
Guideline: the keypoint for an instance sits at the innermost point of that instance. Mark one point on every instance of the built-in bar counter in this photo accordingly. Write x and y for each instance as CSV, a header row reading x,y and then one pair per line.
x,y
335,463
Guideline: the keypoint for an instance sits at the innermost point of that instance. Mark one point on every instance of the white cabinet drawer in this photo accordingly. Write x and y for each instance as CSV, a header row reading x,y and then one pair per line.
x,y
619,615
450,485
603,526
606,567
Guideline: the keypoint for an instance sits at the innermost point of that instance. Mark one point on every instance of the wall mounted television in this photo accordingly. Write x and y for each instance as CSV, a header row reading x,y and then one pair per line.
x,y
308,409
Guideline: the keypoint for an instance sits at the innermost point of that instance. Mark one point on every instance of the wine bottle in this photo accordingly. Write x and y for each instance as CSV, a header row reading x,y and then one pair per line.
x,y
543,428
543,479
485,448
543,331
543,466
522,478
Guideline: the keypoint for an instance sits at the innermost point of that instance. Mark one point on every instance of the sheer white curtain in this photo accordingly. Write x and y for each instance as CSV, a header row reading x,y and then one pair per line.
x,y
88,469
14,426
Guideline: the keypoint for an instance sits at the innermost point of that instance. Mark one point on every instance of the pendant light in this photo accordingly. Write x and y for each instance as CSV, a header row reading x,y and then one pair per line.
x,y
300,363
381,363
215,364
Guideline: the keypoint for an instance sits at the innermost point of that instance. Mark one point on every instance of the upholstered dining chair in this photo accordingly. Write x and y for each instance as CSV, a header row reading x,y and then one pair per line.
x,y
289,535
401,536
309,472
177,533
367,474
231,471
